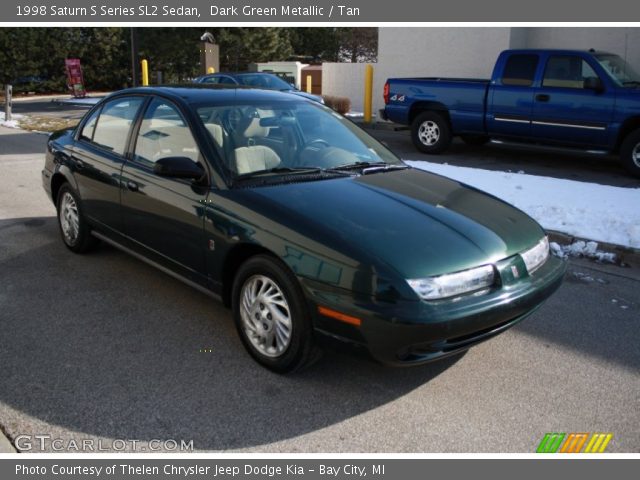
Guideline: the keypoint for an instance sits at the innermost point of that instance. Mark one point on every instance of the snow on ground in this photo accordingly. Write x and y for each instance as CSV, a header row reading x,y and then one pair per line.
x,y
585,210
13,123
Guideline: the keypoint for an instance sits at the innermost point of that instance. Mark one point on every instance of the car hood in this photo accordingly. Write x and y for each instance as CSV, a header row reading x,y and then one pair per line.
x,y
413,222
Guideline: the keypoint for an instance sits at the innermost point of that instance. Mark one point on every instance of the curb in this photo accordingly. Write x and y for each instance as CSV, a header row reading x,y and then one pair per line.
x,y
5,444
624,255
379,125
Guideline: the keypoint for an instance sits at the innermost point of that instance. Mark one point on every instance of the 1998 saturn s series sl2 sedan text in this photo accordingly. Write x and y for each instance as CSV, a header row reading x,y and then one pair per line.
x,y
299,221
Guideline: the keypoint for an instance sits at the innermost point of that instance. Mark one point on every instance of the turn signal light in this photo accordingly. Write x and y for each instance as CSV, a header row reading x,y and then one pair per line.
x,y
327,312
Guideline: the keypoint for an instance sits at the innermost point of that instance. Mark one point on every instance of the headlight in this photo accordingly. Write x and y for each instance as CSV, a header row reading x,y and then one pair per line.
x,y
452,284
535,257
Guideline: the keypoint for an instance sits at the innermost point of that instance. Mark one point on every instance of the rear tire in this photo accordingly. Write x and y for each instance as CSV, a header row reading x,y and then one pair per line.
x,y
271,315
630,153
74,229
475,140
431,133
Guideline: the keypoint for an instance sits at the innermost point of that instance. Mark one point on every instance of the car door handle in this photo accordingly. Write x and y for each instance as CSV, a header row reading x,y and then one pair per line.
x,y
543,97
133,186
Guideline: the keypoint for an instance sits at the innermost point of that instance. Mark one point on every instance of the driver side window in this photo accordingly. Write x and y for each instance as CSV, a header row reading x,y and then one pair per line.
x,y
164,133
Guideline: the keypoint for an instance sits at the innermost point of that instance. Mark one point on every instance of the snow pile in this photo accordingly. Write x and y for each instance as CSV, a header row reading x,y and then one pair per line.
x,y
582,249
13,123
581,209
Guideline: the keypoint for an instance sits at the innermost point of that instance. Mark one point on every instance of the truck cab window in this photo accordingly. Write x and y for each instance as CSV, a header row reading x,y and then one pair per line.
x,y
567,71
520,70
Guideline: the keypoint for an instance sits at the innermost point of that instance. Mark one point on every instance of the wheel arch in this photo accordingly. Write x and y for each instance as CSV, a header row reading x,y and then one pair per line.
x,y
426,106
628,126
57,180
234,259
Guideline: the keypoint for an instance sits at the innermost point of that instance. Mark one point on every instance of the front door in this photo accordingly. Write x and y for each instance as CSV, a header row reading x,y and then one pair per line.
x,y
565,111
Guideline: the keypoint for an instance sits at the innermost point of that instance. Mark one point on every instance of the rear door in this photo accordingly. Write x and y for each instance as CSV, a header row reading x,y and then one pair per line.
x,y
98,157
510,98
165,216
564,110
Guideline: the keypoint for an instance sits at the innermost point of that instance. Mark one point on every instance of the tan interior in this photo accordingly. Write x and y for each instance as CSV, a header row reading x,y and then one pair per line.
x,y
160,138
253,158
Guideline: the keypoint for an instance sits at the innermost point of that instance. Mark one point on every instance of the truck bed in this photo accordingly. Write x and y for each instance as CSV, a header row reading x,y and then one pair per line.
x,y
464,98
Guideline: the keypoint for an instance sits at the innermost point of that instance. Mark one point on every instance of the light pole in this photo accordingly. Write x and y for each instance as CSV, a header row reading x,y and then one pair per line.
x,y
134,57
8,94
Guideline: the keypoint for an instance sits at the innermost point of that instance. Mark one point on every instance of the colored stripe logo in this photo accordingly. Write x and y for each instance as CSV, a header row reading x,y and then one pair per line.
x,y
574,442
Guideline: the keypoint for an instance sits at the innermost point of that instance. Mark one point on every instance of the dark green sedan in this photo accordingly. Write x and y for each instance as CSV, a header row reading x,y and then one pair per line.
x,y
300,222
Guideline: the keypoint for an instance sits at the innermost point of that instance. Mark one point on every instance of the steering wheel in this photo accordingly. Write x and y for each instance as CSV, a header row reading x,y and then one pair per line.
x,y
232,119
313,152
319,141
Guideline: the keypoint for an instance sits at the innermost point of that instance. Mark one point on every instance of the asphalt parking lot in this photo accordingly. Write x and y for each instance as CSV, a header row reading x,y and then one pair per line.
x,y
104,347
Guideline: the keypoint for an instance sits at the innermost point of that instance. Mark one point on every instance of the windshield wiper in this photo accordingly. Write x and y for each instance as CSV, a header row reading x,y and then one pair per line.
x,y
357,165
278,170
368,167
632,82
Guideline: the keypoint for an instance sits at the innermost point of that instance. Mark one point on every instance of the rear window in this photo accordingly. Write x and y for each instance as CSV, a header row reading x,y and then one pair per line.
x,y
113,125
520,70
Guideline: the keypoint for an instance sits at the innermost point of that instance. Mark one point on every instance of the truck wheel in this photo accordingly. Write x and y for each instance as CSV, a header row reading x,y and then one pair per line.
x,y
474,140
630,153
431,133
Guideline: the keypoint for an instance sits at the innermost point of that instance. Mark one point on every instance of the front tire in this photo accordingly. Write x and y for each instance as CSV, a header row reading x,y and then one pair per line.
x,y
74,229
271,315
431,133
630,153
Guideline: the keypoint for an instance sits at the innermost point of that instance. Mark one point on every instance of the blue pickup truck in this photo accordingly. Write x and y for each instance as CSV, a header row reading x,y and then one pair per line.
x,y
584,100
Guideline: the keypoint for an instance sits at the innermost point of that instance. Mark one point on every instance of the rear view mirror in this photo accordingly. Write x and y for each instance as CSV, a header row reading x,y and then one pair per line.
x,y
593,83
178,167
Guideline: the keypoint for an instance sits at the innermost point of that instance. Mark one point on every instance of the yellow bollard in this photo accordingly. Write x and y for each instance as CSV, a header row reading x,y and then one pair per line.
x,y
145,73
308,83
368,93
211,70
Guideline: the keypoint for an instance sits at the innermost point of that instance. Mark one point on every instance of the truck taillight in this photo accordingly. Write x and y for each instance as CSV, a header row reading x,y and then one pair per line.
x,y
386,93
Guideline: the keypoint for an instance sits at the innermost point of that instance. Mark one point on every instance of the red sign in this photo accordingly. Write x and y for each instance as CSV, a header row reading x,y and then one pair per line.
x,y
75,80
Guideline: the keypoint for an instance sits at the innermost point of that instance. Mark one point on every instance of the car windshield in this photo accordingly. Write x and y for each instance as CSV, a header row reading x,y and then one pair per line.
x,y
619,70
263,80
289,138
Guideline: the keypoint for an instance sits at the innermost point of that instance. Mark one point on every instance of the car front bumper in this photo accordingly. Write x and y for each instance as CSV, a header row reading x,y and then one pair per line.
x,y
415,332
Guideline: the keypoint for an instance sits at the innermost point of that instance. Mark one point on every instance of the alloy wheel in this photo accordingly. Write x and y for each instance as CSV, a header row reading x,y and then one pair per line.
x,y
69,218
266,317
635,155
429,132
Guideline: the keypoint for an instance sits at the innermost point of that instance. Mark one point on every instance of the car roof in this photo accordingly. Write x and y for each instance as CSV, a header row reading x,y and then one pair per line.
x,y
237,74
199,93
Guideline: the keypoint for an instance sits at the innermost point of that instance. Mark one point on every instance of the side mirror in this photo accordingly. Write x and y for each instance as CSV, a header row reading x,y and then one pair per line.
x,y
593,83
178,167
